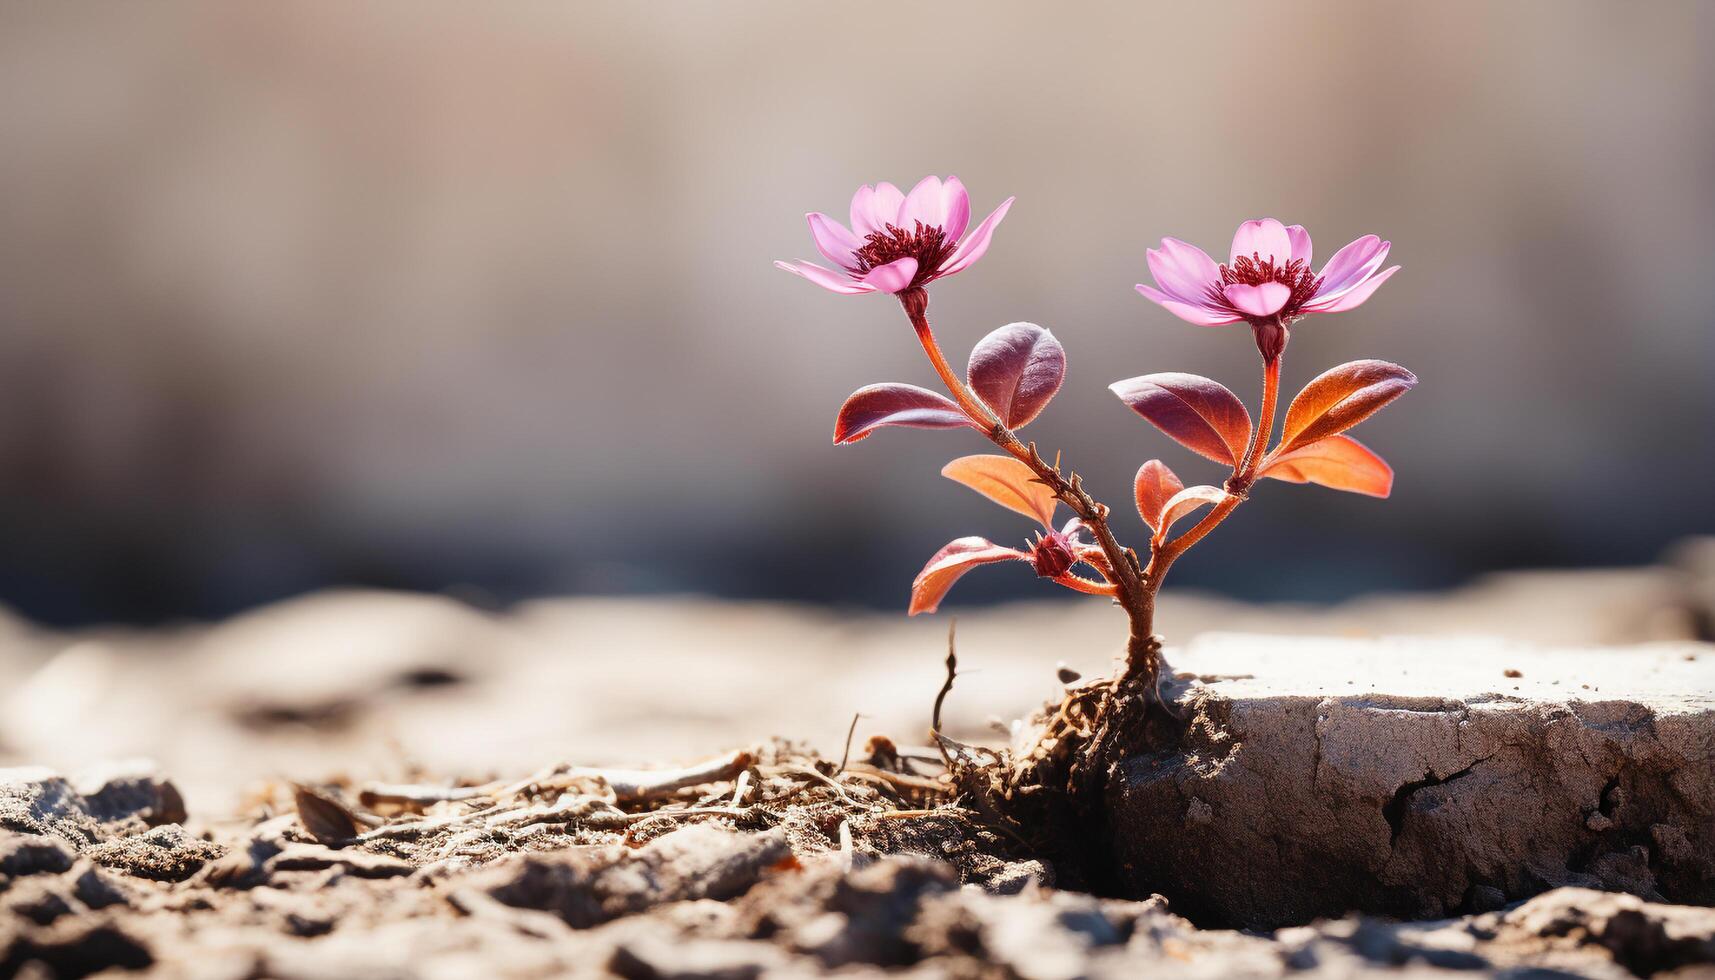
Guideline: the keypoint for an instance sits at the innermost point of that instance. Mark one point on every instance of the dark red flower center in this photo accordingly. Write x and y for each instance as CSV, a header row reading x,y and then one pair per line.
x,y
929,245
1254,270
1051,555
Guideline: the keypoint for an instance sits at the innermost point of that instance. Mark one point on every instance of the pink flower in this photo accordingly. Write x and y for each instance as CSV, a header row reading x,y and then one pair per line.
x,y
1267,280
898,241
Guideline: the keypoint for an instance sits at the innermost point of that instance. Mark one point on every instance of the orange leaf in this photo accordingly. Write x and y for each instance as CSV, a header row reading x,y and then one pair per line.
x,y
949,564
1005,481
1340,462
1341,398
1200,414
1154,486
1184,502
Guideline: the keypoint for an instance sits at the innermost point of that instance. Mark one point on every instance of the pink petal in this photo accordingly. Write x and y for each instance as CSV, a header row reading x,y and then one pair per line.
x,y
873,208
1300,242
1265,238
834,240
860,216
1200,315
1193,263
958,204
825,278
1343,271
1175,282
972,248
1263,300
892,277
1327,295
1354,297
926,203
886,204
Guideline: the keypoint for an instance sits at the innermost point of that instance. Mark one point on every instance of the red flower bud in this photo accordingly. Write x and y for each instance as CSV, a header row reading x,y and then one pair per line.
x,y
1051,555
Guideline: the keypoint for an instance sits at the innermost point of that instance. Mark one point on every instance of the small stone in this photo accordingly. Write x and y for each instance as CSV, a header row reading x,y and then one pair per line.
x,y
166,853
97,890
1017,876
28,854
131,789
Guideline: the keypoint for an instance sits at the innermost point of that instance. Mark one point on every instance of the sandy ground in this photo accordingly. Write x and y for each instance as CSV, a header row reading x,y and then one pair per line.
x,y
201,860
378,684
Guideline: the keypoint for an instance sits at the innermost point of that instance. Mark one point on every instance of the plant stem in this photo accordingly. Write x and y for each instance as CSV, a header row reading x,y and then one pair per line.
x,y
1130,588
1246,471
1238,486
1134,587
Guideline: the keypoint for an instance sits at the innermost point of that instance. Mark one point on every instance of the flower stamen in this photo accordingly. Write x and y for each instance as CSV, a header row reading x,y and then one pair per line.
x,y
928,244
1254,270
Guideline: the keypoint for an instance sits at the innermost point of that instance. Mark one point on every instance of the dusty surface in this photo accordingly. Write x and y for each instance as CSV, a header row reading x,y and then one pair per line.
x,y
219,873
1423,778
586,887
376,684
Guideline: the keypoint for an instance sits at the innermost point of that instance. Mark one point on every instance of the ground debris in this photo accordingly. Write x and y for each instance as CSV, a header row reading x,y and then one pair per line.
x,y
786,868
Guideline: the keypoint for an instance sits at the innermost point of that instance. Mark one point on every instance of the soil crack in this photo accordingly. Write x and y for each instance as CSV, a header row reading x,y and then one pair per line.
x,y
1394,810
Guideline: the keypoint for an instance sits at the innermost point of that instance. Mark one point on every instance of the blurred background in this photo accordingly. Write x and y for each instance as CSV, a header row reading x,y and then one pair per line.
x,y
478,298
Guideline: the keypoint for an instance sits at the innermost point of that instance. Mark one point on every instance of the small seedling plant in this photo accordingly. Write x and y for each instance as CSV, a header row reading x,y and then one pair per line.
x,y
899,244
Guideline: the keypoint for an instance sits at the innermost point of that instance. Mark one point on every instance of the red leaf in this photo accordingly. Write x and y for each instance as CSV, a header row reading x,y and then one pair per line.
x,y
875,406
1199,413
1016,370
1341,398
1184,502
1007,482
1154,486
1340,462
951,562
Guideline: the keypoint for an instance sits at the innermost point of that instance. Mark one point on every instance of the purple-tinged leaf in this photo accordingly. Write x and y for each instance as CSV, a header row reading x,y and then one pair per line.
x,y
1200,414
1340,398
951,562
876,406
1016,370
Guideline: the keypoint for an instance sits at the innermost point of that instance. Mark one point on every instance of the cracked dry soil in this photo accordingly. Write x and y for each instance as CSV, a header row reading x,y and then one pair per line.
x,y
820,882
1282,806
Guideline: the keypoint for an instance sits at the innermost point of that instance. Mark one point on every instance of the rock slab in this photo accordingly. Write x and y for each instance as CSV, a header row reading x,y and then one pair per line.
x,y
1421,779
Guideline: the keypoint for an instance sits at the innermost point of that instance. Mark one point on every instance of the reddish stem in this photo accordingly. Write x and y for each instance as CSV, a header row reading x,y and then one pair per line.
x,y
1238,486
1126,576
1133,587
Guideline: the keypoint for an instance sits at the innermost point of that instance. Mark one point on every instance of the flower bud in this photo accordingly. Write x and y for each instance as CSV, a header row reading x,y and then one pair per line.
x,y
1271,337
1051,555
